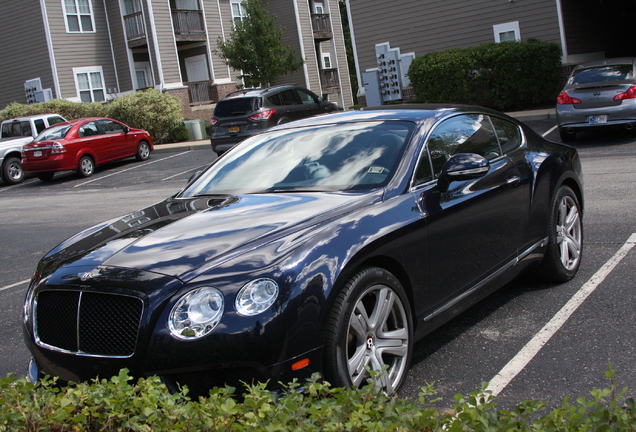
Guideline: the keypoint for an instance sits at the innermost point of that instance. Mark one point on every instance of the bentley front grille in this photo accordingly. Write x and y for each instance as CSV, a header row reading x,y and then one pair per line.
x,y
88,323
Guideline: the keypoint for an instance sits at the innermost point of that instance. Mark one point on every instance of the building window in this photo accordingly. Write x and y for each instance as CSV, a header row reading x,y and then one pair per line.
x,y
79,16
238,11
326,61
319,8
507,32
89,82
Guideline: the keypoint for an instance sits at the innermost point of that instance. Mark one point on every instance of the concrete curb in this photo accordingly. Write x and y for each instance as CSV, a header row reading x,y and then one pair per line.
x,y
532,115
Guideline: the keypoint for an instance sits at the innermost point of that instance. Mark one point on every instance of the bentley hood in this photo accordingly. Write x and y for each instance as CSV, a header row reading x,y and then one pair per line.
x,y
178,235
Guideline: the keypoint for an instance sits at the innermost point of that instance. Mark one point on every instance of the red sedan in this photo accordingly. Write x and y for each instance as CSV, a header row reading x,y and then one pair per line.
x,y
83,144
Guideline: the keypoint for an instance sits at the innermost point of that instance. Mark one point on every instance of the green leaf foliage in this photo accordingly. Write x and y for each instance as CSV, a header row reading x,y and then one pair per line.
x,y
503,76
122,403
255,47
67,109
156,112
179,133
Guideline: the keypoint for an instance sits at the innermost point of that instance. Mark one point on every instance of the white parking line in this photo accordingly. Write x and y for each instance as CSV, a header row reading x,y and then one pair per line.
x,y
548,132
527,353
130,169
14,285
185,172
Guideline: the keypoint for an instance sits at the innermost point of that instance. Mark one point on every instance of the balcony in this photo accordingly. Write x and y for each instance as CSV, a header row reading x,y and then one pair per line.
x,y
329,80
135,30
201,92
188,25
321,26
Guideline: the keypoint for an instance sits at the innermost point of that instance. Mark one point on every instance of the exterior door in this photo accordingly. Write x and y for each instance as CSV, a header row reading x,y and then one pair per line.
x,y
473,227
197,68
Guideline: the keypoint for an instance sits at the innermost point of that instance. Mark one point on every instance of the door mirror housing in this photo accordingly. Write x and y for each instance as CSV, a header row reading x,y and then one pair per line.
x,y
462,166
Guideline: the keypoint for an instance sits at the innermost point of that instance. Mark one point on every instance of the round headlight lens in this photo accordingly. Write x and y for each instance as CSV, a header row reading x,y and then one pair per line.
x,y
196,314
256,297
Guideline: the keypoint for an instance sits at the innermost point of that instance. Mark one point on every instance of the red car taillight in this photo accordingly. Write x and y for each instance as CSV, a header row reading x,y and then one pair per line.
x,y
213,122
629,94
57,148
265,115
566,99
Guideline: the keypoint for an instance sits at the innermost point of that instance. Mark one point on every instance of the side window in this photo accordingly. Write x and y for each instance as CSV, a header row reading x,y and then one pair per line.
x,y
275,99
89,129
508,133
79,16
468,133
306,98
55,120
39,125
111,127
423,172
288,97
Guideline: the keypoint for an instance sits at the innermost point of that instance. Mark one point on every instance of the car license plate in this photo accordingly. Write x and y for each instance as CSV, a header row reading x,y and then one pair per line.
x,y
37,154
234,129
599,119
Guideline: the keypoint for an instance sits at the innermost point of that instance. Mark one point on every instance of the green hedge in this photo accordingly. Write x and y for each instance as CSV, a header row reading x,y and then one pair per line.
x,y
503,76
156,112
119,404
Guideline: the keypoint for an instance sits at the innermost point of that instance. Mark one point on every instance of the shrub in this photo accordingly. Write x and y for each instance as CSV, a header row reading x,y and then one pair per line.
x,y
156,112
67,109
508,75
179,133
125,405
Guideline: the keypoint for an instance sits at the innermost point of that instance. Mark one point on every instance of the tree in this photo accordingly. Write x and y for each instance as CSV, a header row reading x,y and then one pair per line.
x,y
255,47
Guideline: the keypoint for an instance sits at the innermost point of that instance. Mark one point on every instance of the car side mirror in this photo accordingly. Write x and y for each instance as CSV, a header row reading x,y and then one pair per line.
x,y
321,99
126,129
462,166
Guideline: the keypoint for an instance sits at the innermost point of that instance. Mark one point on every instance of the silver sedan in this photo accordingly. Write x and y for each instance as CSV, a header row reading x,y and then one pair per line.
x,y
599,93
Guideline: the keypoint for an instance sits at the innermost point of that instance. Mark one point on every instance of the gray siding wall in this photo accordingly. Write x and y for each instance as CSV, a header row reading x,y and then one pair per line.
x,y
286,18
120,46
23,50
165,41
339,59
423,26
218,25
80,49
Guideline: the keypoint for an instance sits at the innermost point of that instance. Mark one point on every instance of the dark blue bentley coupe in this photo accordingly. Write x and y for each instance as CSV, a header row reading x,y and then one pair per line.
x,y
326,245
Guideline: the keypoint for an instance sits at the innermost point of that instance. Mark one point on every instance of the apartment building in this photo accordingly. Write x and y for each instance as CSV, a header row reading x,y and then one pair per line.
x,y
585,29
97,50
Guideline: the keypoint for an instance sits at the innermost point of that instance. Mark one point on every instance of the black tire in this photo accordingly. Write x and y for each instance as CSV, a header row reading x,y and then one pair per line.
x,y
565,136
46,176
143,151
361,332
12,172
86,166
565,238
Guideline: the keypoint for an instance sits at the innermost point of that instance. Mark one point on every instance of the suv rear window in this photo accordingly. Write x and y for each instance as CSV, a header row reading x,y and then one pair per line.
x,y
235,107
603,74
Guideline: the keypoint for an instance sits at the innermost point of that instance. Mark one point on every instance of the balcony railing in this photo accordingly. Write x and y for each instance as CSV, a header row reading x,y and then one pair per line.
x,y
188,24
135,30
329,79
200,92
321,26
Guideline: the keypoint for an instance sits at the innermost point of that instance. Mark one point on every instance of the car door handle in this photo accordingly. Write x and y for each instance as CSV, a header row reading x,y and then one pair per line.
x,y
513,180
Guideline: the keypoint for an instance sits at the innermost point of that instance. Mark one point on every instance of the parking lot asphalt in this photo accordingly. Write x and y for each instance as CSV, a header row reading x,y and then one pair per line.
x,y
531,115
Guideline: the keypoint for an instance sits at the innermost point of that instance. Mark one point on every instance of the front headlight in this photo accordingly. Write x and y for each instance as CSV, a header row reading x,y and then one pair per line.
x,y
256,297
197,313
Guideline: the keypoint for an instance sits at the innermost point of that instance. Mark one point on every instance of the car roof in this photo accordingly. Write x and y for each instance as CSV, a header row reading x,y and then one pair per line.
x,y
255,92
405,112
34,117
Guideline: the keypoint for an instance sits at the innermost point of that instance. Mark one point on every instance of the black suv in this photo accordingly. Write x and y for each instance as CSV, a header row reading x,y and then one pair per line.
x,y
244,113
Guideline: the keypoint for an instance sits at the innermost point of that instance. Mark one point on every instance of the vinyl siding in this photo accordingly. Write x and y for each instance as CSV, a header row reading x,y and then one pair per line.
x,y
228,26
120,46
74,50
339,59
286,17
166,41
216,25
23,50
423,26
